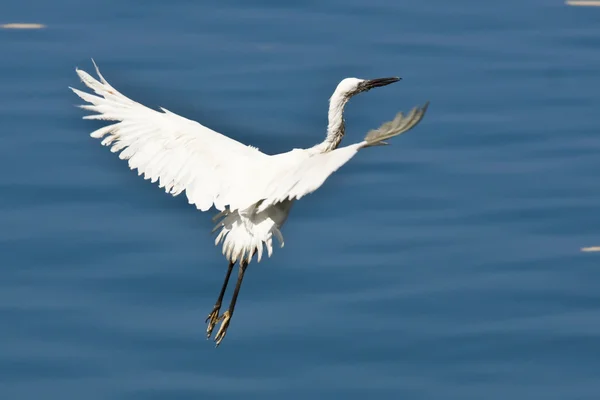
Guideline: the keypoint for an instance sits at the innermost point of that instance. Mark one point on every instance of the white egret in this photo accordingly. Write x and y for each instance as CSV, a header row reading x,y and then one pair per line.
x,y
253,191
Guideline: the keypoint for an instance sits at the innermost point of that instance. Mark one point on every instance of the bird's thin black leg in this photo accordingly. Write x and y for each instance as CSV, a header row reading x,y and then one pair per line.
x,y
213,317
226,317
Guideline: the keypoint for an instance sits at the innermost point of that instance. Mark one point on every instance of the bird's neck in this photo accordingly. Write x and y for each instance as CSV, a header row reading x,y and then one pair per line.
x,y
335,128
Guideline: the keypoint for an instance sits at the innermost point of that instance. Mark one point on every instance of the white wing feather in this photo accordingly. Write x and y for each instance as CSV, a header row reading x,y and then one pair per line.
x,y
213,169
179,153
307,175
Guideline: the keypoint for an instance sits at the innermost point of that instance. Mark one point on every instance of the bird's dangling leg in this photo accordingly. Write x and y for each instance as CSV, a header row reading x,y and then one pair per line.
x,y
213,317
226,317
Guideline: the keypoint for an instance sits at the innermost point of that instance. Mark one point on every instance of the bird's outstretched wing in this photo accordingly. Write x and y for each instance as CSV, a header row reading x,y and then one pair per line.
x,y
308,174
213,169
179,153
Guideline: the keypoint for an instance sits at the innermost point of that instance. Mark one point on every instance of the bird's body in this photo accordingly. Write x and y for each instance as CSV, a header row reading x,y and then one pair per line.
x,y
253,191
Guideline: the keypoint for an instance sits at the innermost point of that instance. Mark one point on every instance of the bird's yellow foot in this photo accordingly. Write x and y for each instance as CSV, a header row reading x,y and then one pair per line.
x,y
212,320
225,318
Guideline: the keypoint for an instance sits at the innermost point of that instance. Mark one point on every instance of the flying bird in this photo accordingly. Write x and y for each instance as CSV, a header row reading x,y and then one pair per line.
x,y
253,191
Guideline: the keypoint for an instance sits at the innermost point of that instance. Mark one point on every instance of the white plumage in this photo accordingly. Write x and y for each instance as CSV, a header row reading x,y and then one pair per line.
x,y
254,191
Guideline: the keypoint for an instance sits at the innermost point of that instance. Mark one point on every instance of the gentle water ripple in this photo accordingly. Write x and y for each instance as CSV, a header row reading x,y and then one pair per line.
x,y
444,266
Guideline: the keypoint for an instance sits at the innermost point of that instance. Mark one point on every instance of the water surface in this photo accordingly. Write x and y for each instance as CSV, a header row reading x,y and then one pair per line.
x,y
445,266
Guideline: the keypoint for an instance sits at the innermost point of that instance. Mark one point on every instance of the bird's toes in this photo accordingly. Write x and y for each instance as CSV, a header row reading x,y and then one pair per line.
x,y
212,320
225,318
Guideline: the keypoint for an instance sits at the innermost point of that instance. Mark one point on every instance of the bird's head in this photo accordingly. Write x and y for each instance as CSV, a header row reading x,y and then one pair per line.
x,y
343,92
353,86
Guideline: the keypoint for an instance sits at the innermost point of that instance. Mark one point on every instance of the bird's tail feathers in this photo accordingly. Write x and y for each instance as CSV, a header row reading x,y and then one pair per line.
x,y
395,127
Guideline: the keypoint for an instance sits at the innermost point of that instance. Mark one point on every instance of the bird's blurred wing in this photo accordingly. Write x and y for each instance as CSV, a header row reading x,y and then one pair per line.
x,y
399,125
306,175
303,173
179,153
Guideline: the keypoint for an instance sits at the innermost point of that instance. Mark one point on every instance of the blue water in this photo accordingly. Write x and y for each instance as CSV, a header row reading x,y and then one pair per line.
x,y
444,266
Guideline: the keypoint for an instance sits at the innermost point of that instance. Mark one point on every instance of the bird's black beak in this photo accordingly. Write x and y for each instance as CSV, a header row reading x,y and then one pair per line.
x,y
373,83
